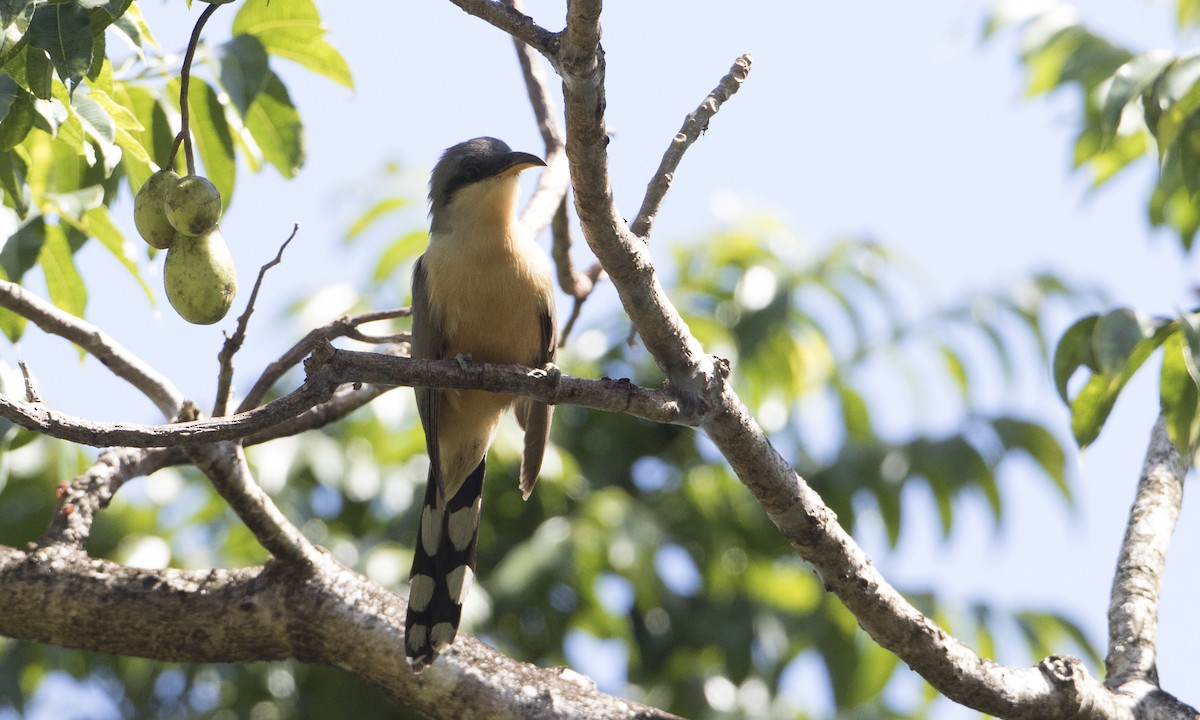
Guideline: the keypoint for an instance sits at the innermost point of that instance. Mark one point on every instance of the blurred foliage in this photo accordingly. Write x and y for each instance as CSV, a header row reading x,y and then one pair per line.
x,y
640,559
1134,105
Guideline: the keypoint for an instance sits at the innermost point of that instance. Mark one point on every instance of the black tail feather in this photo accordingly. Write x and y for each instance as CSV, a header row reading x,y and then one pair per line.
x,y
443,568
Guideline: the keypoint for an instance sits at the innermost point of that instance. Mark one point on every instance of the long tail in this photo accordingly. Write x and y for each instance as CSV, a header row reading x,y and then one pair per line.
x,y
443,568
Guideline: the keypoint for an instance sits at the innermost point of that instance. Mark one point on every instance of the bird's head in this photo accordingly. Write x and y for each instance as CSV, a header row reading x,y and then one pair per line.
x,y
476,176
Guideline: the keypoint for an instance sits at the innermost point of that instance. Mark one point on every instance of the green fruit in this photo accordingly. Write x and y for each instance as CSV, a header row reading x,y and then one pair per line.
x,y
193,205
200,278
150,212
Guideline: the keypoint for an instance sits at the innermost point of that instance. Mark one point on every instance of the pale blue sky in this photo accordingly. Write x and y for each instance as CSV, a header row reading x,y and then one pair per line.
x,y
868,118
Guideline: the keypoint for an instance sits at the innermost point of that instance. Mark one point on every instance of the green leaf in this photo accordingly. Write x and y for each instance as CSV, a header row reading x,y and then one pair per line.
x,y
242,69
856,415
1117,334
122,116
77,202
274,124
1176,95
293,30
1127,85
10,10
133,26
957,370
1179,394
9,92
63,283
1189,323
400,251
39,73
64,31
12,178
1040,444
381,208
19,119
1074,350
20,251
97,123
156,135
1114,339
99,224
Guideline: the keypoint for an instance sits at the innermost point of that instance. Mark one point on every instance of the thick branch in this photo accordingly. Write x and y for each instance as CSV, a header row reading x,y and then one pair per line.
x,y
695,124
1133,609
322,613
124,364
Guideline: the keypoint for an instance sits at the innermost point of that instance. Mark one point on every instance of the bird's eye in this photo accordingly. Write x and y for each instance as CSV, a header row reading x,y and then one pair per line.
x,y
472,173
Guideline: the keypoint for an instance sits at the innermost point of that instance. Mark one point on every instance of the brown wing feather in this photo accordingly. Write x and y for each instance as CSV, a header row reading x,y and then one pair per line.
x,y
428,343
533,416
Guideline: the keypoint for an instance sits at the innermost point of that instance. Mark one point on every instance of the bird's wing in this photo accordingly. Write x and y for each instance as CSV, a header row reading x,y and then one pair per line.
x,y
534,416
428,343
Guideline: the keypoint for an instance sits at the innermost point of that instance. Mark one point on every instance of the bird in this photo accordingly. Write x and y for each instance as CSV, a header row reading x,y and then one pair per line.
x,y
482,291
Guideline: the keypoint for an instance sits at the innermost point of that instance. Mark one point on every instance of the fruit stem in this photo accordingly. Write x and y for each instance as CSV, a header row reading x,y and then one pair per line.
x,y
185,76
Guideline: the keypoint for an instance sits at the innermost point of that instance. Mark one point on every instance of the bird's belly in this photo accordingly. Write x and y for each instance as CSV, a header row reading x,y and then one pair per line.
x,y
495,317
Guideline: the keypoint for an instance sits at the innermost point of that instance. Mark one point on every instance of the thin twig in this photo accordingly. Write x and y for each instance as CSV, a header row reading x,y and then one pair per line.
x,y
31,392
123,363
341,327
578,285
693,126
233,343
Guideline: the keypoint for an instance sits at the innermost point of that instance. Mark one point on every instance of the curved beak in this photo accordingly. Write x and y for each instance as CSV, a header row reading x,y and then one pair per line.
x,y
517,161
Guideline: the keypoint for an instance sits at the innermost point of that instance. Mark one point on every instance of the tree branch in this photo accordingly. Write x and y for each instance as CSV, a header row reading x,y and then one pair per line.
x,y
123,363
695,124
345,326
233,343
333,368
320,613
553,182
515,23
92,491
1133,608
226,467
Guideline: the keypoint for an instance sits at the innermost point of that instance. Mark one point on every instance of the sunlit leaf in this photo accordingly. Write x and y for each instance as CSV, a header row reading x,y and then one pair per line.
x,y
66,287
275,126
293,31
1179,395
64,31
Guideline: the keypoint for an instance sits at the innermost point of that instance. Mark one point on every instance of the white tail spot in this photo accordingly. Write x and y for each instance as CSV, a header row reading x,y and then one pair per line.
x,y
431,530
420,592
463,524
415,638
459,581
442,635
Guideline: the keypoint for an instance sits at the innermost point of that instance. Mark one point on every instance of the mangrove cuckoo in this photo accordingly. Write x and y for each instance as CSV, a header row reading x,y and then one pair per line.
x,y
482,289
